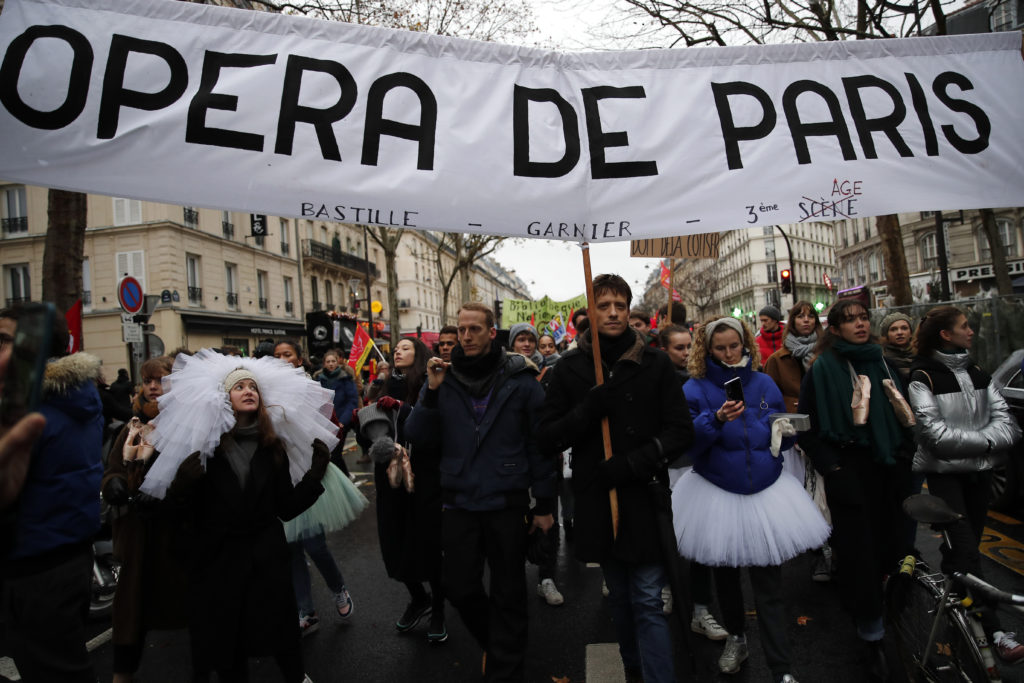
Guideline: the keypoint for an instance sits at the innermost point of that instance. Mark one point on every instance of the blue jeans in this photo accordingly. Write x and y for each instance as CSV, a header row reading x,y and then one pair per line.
x,y
645,642
321,556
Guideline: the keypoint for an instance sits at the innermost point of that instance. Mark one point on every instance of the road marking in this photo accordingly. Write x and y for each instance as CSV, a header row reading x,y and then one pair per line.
x,y
1003,550
9,671
999,517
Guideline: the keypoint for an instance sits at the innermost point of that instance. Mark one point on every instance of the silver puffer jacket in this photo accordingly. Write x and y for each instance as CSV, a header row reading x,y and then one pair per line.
x,y
961,431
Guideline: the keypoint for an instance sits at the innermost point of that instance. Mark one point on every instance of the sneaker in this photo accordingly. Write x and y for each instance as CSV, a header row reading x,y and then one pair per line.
x,y
309,623
412,615
666,600
343,603
604,589
436,632
734,654
788,678
706,625
549,591
1009,650
306,679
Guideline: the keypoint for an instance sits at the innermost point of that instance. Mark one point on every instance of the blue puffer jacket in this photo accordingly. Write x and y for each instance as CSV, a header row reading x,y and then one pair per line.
x,y
60,502
494,464
346,395
735,455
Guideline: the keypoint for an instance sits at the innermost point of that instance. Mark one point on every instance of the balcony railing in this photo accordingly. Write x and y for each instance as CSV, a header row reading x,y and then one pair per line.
x,y
195,295
288,307
191,217
232,299
260,240
285,248
263,305
323,252
228,229
14,300
316,305
15,225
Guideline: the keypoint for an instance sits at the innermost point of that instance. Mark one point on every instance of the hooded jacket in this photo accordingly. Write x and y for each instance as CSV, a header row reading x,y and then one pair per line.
x,y
60,503
493,464
963,423
734,455
769,342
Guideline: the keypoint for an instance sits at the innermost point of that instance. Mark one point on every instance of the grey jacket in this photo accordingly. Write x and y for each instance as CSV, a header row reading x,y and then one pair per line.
x,y
963,423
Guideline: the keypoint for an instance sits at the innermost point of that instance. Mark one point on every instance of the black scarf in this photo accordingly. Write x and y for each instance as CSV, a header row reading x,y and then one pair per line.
x,y
477,373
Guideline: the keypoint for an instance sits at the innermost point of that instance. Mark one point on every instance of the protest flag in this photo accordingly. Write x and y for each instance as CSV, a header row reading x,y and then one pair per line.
x,y
362,345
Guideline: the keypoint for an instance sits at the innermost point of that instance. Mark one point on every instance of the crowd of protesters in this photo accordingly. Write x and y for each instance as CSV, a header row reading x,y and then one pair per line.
x,y
653,441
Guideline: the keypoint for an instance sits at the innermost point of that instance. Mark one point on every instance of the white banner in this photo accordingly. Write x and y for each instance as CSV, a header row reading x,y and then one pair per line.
x,y
270,114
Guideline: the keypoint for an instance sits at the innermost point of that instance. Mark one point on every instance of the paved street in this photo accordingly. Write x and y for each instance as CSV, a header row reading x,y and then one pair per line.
x,y
564,641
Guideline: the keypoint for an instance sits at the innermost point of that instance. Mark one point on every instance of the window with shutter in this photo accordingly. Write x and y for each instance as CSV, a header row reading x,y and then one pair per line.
x,y
127,211
132,263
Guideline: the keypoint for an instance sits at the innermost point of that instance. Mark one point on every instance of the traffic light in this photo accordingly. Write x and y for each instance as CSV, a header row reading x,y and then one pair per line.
x,y
786,281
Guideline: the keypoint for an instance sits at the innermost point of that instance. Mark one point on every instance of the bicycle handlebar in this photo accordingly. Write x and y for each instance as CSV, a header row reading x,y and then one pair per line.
x,y
987,590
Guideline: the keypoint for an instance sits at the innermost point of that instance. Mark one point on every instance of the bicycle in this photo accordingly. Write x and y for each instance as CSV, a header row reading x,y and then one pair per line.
x,y
937,627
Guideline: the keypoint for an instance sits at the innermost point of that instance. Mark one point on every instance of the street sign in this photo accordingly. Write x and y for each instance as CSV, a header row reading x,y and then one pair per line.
x,y
132,333
129,295
827,280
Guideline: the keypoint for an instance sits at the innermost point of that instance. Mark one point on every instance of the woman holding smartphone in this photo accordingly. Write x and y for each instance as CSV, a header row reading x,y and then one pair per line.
x,y
736,507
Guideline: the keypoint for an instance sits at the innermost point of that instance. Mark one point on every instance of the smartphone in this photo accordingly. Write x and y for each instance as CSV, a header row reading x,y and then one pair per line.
x,y
23,379
734,389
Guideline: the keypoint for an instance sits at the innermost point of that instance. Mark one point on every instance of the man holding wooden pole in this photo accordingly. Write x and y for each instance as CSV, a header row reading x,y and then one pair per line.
x,y
619,472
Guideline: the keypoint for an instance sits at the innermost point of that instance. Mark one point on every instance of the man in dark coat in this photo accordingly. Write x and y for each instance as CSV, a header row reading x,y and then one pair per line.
x,y
650,425
480,413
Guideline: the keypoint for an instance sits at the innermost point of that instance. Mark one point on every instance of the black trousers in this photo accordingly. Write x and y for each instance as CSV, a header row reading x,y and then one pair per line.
x,y
496,620
967,493
45,617
771,611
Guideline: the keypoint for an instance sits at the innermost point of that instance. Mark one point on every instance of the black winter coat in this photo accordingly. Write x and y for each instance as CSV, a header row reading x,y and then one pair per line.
x,y
649,411
242,600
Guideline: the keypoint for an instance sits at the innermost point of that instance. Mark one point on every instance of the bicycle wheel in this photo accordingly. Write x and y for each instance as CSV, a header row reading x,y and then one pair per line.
x,y
911,607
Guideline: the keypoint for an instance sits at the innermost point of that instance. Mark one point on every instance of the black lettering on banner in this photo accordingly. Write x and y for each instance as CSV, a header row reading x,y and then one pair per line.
x,y
731,134
376,125
981,122
78,78
931,144
888,124
521,163
115,95
801,131
600,140
196,130
322,119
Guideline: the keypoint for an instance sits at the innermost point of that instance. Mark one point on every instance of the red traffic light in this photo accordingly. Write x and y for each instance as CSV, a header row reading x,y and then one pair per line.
x,y
785,274
786,281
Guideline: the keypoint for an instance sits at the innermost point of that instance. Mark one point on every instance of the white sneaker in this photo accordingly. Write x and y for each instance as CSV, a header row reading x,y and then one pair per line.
x,y
604,589
666,600
706,625
549,591
734,654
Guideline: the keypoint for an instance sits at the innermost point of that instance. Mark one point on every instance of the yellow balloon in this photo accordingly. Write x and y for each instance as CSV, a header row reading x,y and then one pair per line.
x,y
376,307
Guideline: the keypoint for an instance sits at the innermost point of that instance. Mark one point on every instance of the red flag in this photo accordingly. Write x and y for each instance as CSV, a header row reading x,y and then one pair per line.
x,y
74,320
361,347
666,278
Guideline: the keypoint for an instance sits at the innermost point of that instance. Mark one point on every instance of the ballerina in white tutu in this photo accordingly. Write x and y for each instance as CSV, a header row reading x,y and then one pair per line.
x,y
737,507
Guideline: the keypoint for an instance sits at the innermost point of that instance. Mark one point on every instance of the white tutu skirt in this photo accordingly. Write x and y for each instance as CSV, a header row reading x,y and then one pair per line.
x,y
723,529
340,503
793,462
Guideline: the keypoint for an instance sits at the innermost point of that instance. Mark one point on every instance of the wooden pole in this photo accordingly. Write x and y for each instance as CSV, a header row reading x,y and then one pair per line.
x,y
606,435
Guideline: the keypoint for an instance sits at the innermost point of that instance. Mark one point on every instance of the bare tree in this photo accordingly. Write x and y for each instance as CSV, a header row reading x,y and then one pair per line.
x,y
64,249
998,251
454,257
388,239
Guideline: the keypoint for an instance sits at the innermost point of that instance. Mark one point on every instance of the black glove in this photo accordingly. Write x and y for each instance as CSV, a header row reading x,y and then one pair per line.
x,y
116,491
597,403
646,462
145,502
321,458
540,545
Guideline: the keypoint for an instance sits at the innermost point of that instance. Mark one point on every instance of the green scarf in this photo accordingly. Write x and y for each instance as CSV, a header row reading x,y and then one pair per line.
x,y
834,389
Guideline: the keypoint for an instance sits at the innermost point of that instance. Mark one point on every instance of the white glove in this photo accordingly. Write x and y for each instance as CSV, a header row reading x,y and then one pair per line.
x,y
780,428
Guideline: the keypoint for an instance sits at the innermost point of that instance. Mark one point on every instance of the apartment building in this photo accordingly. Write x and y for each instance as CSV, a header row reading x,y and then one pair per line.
x,y
860,263
746,276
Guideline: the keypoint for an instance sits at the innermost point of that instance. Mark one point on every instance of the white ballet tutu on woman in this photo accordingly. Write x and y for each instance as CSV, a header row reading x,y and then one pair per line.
x,y
340,503
723,529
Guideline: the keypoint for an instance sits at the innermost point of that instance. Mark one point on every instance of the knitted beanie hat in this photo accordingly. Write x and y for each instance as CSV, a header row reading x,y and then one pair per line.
x,y
518,329
236,376
888,320
772,312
